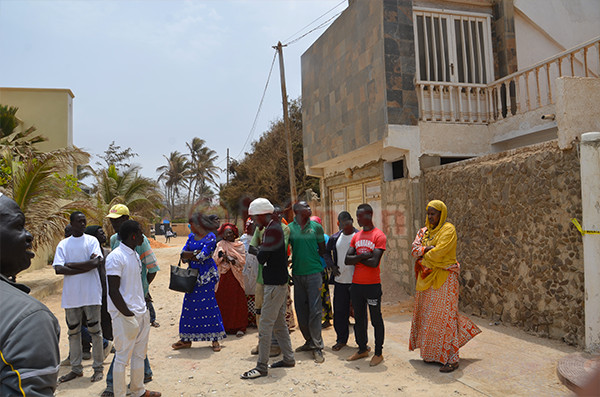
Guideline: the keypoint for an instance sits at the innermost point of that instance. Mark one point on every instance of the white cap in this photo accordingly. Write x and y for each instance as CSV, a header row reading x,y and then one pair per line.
x,y
260,206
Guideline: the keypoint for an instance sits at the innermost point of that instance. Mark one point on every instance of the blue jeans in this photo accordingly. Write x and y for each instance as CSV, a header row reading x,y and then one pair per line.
x,y
109,375
307,301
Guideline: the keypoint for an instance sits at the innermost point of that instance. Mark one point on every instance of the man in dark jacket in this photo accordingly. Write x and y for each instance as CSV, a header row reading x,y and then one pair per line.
x,y
29,332
272,256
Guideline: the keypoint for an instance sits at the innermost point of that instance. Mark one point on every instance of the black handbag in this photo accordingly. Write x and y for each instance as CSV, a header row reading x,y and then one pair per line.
x,y
183,280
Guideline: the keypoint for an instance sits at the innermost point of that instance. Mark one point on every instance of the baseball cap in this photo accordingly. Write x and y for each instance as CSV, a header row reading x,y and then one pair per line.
x,y
117,211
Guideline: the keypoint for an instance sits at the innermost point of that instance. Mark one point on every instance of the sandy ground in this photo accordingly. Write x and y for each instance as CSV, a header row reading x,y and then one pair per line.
x,y
500,361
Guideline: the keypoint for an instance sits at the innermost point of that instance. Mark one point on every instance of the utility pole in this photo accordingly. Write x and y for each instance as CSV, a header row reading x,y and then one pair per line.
x,y
227,166
286,124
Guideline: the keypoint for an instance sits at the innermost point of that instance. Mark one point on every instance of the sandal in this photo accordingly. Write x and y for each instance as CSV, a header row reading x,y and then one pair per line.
x,y
449,367
338,346
70,376
98,375
107,393
155,324
181,345
253,374
216,346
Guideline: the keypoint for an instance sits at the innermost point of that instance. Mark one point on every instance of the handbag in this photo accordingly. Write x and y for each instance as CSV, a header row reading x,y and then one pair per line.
x,y
183,280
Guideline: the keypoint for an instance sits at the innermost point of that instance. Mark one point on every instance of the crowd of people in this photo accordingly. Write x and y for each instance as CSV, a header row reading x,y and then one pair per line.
x,y
242,281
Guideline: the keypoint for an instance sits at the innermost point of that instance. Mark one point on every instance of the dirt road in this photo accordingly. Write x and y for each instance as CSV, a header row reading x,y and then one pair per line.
x,y
500,361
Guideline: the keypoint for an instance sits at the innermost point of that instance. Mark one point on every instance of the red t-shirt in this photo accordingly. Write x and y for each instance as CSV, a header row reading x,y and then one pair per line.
x,y
367,242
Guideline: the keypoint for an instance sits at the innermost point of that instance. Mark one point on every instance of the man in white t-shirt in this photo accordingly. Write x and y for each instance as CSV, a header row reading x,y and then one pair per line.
x,y
127,308
337,247
78,258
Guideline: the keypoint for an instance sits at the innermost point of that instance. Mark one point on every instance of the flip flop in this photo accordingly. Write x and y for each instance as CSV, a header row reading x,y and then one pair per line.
x,y
181,345
155,324
70,376
253,374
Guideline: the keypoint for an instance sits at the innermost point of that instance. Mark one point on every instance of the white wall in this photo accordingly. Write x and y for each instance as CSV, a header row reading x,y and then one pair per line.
x,y
554,26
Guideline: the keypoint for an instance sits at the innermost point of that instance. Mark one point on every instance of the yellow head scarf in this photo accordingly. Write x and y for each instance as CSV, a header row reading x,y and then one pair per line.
x,y
443,237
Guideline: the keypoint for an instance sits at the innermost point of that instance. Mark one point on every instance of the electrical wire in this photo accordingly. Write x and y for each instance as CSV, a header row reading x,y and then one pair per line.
x,y
312,30
251,133
299,31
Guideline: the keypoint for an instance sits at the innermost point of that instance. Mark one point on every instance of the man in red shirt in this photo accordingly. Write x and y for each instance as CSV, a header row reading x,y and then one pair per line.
x,y
366,248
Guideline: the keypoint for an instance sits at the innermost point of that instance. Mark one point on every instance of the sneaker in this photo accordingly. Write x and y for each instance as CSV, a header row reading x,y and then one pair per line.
x,y
318,356
107,349
376,360
304,348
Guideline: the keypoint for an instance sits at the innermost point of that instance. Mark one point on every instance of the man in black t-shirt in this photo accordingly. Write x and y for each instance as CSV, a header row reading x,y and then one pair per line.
x,y
272,256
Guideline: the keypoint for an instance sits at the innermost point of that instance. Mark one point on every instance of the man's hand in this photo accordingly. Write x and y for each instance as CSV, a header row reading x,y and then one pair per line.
x,y
336,271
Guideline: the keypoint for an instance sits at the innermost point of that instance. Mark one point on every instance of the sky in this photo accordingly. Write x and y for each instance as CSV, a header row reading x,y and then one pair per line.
x,y
151,75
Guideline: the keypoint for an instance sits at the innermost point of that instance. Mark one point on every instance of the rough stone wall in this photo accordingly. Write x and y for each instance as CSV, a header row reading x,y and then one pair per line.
x,y
521,258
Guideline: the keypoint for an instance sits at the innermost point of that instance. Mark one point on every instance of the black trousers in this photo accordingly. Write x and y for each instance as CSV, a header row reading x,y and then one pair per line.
x,y
363,296
341,311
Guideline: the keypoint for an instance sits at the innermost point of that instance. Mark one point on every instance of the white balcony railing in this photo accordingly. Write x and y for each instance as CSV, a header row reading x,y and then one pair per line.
x,y
527,89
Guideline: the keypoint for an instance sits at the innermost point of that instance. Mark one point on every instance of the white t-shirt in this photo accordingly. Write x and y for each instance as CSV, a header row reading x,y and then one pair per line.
x,y
125,263
342,245
82,289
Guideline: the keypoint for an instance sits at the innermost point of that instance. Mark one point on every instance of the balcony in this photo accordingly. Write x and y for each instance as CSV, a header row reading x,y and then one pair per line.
x,y
521,92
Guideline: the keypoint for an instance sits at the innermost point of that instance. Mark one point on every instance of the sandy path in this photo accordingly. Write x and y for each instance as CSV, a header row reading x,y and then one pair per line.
x,y
201,372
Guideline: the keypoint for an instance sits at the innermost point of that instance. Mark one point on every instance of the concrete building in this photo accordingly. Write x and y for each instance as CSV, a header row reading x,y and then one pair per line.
x,y
395,87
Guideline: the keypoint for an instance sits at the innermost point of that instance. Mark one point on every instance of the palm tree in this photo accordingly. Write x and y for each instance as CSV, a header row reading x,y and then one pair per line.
x,y
45,196
174,175
140,194
203,170
19,144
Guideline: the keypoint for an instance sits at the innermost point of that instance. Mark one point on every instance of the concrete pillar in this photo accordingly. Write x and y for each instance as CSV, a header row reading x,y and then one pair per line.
x,y
590,199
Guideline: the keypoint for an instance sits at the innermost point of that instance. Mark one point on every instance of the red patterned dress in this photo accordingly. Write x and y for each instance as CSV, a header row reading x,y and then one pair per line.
x,y
438,329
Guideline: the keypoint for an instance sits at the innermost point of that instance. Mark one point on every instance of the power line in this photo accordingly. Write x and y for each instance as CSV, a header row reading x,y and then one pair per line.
x,y
251,133
336,6
312,30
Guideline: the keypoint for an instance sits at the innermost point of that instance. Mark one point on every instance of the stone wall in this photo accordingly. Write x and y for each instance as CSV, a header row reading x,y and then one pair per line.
x,y
521,258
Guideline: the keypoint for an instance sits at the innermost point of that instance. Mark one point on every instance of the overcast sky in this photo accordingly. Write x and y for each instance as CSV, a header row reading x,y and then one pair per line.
x,y
151,75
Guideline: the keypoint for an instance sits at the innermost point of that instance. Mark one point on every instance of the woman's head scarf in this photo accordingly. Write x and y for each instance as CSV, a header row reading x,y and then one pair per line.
x,y
233,228
440,206
248,225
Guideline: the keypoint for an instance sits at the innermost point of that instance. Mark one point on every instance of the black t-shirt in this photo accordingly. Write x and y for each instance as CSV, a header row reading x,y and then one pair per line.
x,y
273,255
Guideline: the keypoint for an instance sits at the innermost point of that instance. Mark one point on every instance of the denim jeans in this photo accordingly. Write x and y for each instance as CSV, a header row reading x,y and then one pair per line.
x,y
307,301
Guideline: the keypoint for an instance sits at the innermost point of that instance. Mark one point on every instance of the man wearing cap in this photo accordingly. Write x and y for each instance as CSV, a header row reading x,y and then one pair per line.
x,y
117,215
29,332
308,246
272,257
78,258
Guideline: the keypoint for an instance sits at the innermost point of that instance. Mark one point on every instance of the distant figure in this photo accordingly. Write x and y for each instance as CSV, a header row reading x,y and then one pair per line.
x,y
127,307
200,316
168,235
250,271
438,329
337,248
29,332
78,258
230,257
366,249
327,309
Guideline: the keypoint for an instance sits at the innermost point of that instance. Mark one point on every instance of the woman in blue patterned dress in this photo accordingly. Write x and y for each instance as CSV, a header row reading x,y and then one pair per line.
x,y
200,316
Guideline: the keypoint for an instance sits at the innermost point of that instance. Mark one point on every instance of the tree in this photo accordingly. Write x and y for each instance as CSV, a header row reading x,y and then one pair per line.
x,y
174,175
263,171
116,156
140,194
202,170
14,143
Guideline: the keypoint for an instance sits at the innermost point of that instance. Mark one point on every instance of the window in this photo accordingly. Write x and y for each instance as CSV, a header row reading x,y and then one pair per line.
x,y
453,47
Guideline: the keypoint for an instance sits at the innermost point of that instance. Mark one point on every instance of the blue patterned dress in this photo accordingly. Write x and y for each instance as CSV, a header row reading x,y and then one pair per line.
x,y
200,315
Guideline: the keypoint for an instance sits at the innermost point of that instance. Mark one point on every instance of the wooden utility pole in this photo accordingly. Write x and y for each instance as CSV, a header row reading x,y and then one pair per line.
x,y
227,166
286,124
